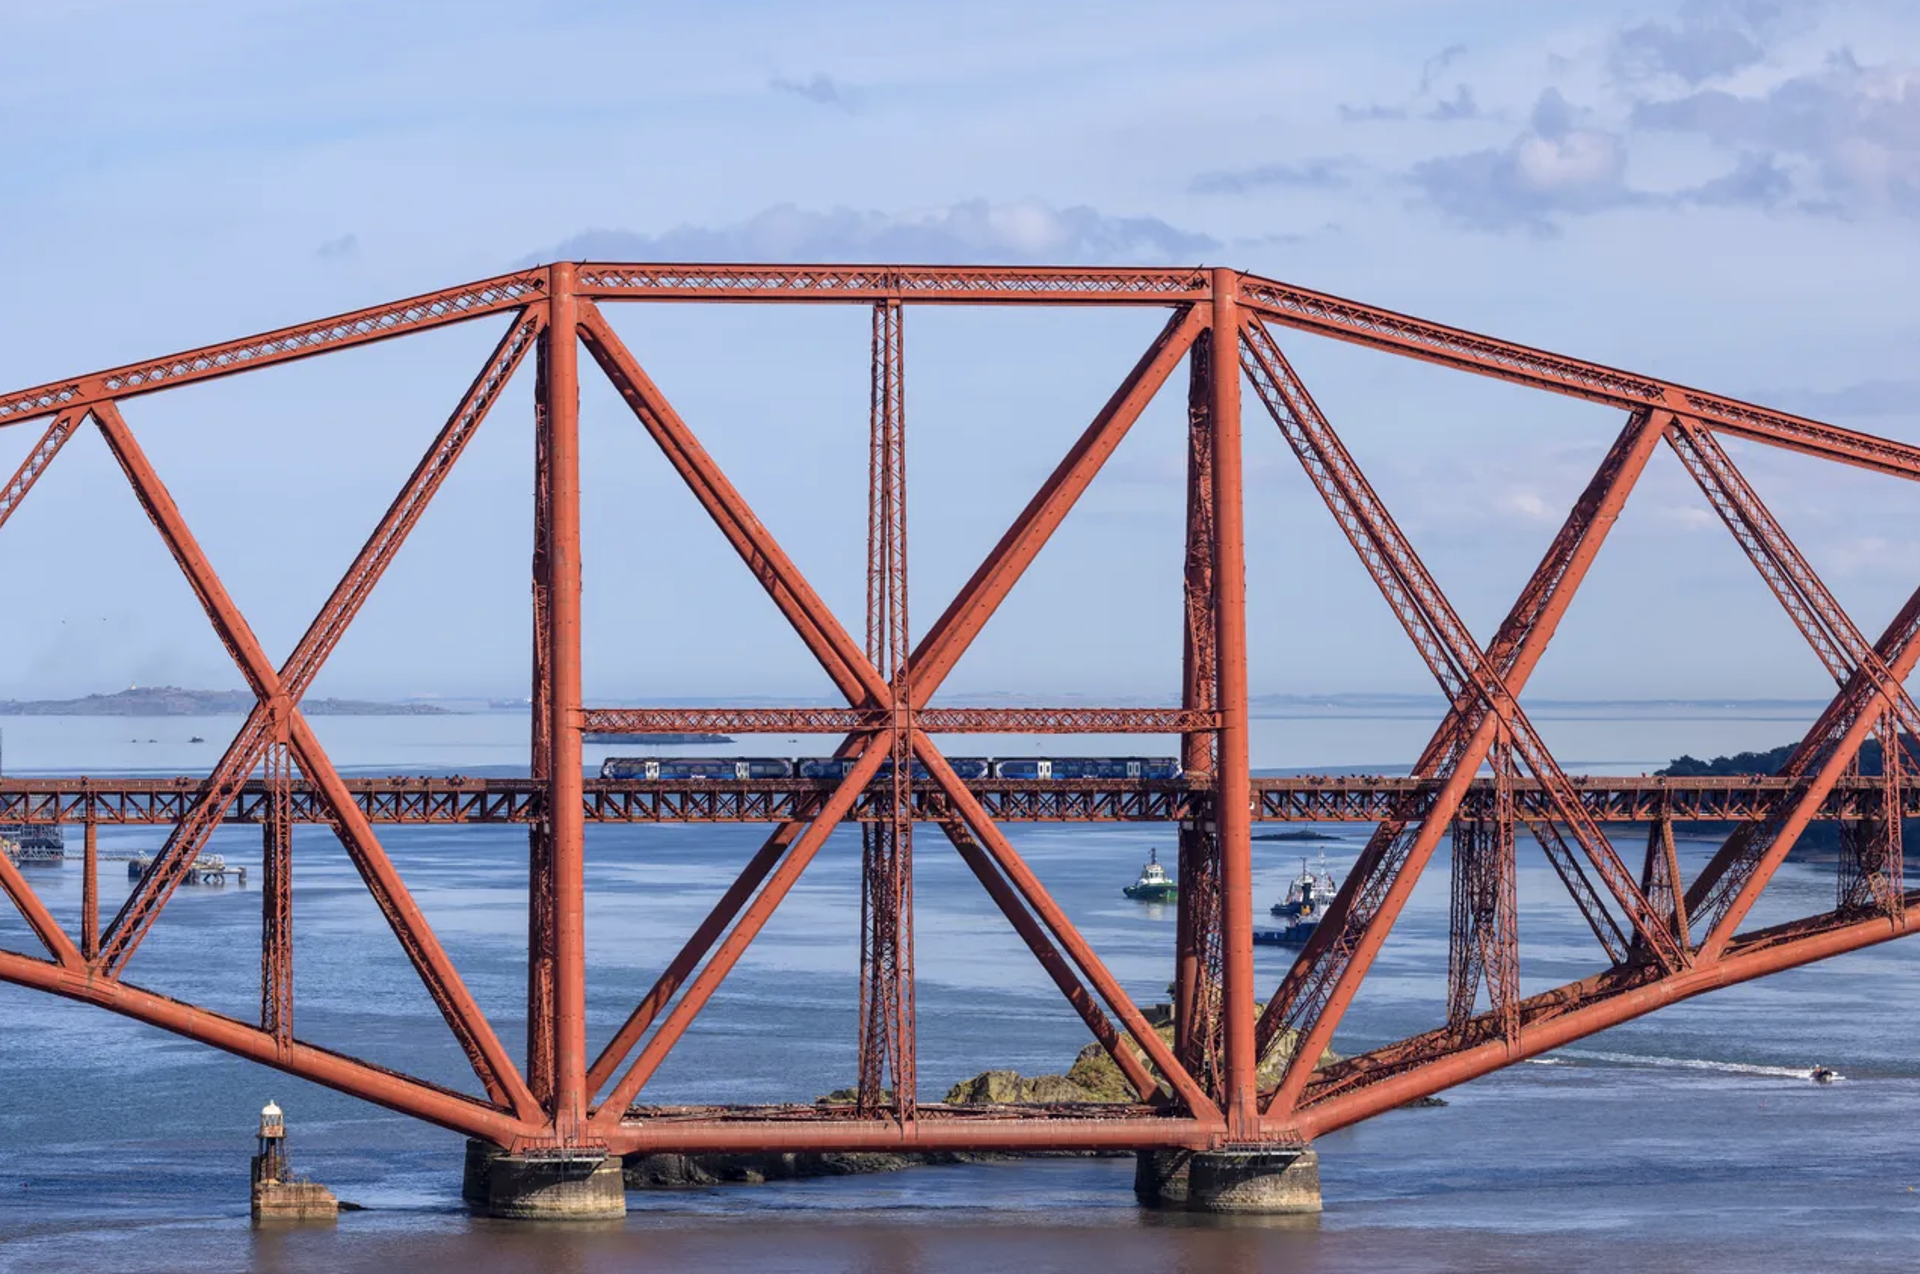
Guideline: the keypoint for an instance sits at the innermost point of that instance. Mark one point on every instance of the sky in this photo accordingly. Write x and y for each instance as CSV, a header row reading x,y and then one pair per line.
x,y
1725,193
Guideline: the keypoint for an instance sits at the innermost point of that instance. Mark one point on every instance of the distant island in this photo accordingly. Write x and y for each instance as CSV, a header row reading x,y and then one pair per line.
x,y
172,701
1768,762
661,738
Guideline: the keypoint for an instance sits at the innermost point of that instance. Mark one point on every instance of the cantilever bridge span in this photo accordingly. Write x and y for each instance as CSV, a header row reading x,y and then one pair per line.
x,y
1484,777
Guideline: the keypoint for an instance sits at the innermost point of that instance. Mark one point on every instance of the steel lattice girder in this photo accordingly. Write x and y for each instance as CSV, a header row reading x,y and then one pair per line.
x,y
887,712
429,800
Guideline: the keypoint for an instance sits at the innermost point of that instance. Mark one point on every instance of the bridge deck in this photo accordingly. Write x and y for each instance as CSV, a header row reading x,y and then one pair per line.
x,y
408,799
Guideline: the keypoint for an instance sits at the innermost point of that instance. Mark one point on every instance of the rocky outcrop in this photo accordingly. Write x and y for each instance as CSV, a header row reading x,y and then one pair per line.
x,y
1095,1077
668,1172
998,1088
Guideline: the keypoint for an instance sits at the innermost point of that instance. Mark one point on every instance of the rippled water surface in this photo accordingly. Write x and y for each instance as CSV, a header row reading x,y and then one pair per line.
x,y
1688,1141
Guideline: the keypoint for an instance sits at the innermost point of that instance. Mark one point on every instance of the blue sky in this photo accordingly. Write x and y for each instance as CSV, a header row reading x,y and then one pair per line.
x,y
1727,194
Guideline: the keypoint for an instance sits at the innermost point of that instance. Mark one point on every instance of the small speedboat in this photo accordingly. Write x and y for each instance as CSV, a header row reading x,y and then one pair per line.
x,y
1823,1074
1154,884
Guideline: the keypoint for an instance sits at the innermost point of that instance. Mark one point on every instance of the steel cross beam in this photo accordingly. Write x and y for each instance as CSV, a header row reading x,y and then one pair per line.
x,y
1835,638
1728,886
58,431
1301,308
1402,334
310,654
831,646
1423,610
782,879
1828,629
1197,1102
852,720
974,285
406,1094
1034,934
277,709
1329,971
448,800
343,331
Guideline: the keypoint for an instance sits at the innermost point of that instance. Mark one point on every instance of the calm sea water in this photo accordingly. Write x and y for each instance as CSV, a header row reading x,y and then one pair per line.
x,y
1688,1141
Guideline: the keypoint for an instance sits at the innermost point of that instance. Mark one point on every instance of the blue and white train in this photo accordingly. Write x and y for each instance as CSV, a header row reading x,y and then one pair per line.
x,y
711,769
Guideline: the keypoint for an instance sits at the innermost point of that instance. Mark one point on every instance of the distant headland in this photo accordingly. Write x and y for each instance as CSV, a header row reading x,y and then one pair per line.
x,y
172,701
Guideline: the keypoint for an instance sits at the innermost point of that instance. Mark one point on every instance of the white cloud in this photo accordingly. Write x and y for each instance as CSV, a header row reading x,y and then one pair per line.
x,y
1526,505
974,231
1557,166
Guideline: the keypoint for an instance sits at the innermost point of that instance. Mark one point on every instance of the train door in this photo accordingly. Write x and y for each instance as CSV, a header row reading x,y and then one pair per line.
x,y
651,769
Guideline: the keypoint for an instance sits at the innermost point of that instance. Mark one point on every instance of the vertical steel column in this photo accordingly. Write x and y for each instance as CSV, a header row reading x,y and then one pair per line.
x,y
1197,954
90,894
565,816
1469,836
276,898
1502,945
1871,866
1893,858
1660,874
1483,943
1232,790
887,1044
540,1036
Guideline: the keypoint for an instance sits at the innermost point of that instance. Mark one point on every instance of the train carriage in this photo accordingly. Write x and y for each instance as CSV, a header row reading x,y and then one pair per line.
x,y
697,769
1087,767
832,769
835,768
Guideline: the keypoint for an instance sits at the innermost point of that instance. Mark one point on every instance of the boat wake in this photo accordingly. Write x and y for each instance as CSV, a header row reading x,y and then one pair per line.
x,y
1688,1063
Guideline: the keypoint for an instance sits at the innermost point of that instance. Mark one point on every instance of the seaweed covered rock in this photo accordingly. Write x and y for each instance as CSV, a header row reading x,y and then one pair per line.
x,y
669,1172
1095,1077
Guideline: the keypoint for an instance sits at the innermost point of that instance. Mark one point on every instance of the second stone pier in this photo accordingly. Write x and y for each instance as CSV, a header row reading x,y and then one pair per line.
x,y
1277,1181
542,1188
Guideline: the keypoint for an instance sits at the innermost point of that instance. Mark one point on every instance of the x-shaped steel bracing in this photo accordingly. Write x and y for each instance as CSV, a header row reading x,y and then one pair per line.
x,y
779,864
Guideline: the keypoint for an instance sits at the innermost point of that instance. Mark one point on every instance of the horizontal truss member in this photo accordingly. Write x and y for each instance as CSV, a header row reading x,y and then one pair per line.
x,y
932,720
1345,799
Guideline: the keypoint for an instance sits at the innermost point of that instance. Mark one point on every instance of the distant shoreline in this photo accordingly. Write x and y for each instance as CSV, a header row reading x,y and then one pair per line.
x,y
172,701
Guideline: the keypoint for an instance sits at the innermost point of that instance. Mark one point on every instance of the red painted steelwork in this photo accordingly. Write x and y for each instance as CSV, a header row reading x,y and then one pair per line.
x,y
58,431
344,331
1232,795
427,800
1203,1090
1362,1086
867,720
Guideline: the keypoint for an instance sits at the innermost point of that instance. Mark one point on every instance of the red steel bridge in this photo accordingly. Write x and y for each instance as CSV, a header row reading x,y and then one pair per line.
x,y
1484,776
